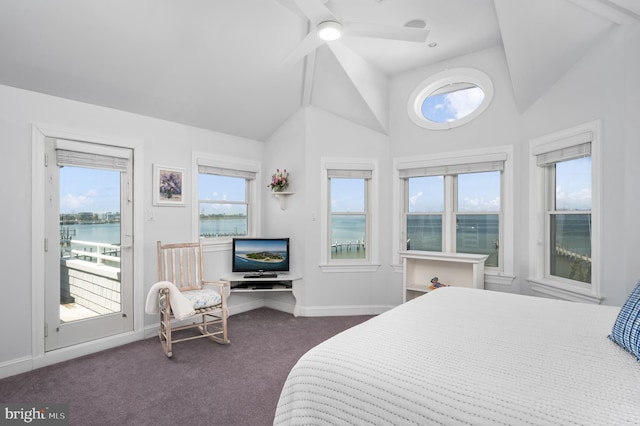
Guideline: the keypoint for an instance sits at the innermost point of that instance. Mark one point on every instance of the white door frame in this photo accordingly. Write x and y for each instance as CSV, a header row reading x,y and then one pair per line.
x,y
40,358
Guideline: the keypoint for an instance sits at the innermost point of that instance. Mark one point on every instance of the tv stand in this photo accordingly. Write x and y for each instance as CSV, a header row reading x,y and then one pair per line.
x,y
261,274
271,290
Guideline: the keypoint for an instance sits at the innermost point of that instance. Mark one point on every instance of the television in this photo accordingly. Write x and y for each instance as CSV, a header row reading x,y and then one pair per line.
x,y
260,256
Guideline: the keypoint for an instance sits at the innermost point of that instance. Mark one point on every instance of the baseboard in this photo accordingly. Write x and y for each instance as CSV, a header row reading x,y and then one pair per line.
x,y
16,366
25,364
279,305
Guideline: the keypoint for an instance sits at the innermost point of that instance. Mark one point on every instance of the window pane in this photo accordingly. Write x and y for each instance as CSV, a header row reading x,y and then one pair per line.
x,y
216,188
223,220
227,217
573,184
479,192
348,232
452,102
424,232
571,246
478,234
426,194
347,195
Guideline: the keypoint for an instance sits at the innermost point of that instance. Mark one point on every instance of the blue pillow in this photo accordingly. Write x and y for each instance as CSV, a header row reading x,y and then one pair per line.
x,y
626,330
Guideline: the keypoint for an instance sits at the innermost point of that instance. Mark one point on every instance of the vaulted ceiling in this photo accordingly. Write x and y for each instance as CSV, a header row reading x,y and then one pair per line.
x,y
221,65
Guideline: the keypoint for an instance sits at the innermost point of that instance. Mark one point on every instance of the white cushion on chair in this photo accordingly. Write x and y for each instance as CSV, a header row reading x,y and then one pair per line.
x,y
180,305
203,298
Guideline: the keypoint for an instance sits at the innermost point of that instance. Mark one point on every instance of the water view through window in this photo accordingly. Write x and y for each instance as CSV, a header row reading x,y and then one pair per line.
x,y
476,216
90,233
223,206
570,221
90,205
348,218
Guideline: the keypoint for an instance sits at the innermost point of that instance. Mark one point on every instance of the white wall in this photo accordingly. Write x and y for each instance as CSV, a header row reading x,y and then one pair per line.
x,y
332,293
499,125
164,142
604,85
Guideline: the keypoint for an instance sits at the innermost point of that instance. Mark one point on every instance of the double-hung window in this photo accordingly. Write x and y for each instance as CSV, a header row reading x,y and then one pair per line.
x,y
226,199
456,203
566,200
348,217
454,209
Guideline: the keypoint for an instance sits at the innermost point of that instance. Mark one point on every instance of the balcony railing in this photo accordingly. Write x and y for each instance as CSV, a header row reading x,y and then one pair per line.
x,y
90,277
91,251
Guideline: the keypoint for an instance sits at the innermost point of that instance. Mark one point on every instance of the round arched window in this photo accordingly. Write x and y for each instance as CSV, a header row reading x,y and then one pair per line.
x,y
450,98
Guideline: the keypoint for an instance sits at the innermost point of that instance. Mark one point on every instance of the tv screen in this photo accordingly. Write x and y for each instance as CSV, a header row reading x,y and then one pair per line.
x,y
260,254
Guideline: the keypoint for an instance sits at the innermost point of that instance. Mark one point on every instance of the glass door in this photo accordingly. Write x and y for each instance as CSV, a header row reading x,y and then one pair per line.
x,y
88,242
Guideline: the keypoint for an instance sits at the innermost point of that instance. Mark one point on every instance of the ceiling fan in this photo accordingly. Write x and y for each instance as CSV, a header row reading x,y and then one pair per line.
x,y
326,26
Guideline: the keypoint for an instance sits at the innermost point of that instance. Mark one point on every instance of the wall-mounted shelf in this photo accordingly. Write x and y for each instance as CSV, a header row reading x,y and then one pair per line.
x,y
282,197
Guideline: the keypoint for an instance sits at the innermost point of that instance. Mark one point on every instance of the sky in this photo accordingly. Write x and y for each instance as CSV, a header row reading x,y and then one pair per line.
x,y
347,195
89,190
453,105
573,185
258,245
476,192
234,190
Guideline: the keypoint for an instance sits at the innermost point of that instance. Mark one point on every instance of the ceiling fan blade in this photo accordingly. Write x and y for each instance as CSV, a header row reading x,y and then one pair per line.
x,y
306,46
358,29
315,10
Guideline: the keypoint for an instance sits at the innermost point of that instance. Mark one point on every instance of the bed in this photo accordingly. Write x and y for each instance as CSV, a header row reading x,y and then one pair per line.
x,y
459,356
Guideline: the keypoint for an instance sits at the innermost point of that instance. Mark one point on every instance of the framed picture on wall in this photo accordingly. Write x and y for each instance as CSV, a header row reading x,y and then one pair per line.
x,y
168,186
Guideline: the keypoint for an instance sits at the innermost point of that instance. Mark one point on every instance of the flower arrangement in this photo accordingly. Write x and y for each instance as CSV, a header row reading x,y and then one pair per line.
x,y
279,180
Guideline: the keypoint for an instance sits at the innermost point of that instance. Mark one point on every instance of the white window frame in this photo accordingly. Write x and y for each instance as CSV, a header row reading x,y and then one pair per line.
x,y
253,195
372,262
539,279
443,79
504,273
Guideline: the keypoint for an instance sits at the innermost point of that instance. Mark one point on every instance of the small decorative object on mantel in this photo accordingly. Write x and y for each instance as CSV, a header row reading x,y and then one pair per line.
x,y
279,181
436,284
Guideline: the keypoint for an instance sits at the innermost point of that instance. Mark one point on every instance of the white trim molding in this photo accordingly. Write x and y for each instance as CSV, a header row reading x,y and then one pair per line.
x,y
255,203
446,78
505,272
39,357
372,263
538,277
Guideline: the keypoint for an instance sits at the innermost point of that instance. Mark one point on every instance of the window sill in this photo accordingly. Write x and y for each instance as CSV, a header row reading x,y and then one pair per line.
x,y
337,268
498,279
574,294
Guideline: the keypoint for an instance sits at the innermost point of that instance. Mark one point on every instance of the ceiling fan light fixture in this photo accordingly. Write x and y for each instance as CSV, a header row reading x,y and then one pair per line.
x,y
329,30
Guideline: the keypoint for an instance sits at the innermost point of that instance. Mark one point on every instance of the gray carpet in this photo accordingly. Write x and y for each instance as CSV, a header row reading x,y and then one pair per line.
x,y
204,384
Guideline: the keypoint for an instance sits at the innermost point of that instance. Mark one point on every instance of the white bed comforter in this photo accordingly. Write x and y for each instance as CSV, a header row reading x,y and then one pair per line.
x,y
469,357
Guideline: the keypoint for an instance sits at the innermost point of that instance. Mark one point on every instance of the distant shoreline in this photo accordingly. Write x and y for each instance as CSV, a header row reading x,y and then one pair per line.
x,y
266,260
89,223
222,217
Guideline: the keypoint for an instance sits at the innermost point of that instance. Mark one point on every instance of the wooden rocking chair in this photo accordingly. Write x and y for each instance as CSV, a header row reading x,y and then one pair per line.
x,y
182,265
